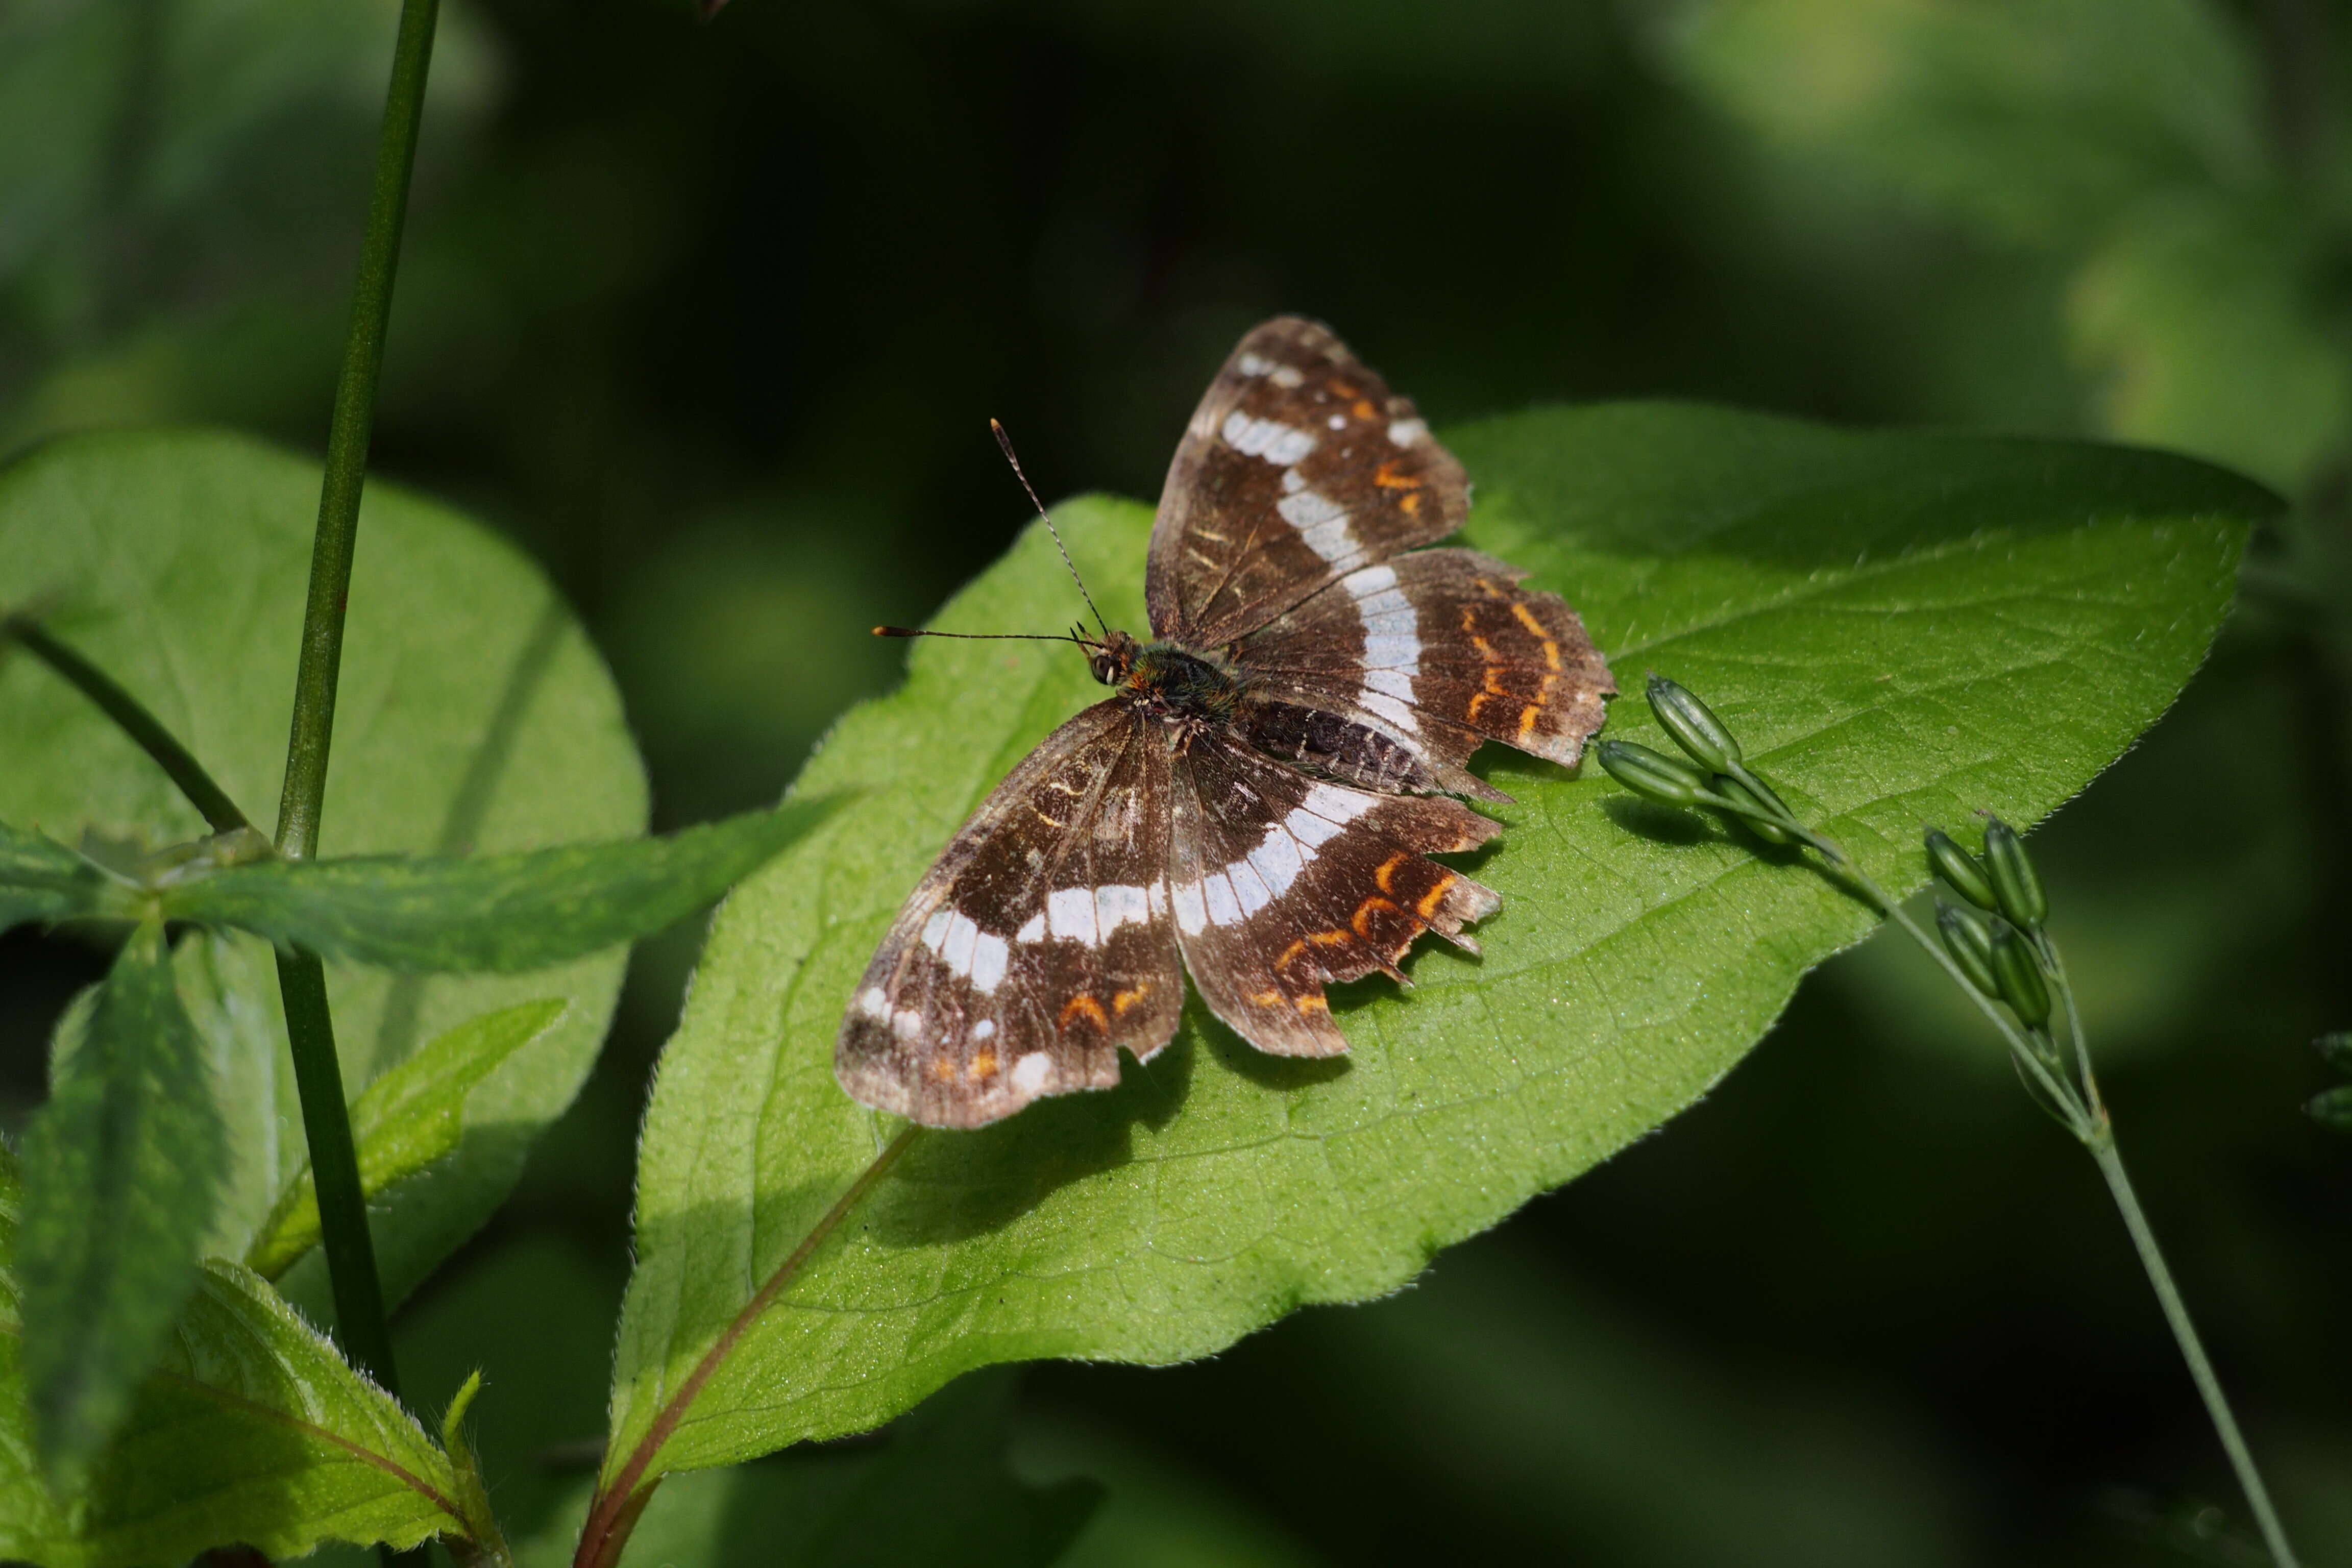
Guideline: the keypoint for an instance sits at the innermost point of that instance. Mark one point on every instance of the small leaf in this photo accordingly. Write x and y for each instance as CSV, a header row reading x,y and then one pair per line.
x,y
501,913
2332,1109
404,1120
1901,626
122,1168
252,1430
41,879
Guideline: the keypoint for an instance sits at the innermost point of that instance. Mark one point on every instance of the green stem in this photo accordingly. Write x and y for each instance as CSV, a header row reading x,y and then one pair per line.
x,y
309,1026
347,436
2192,1350
133,719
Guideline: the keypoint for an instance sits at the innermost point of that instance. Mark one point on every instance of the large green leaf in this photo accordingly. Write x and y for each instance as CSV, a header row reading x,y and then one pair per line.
x,y
1899,627
123,1170
253,1430
474,717
489,912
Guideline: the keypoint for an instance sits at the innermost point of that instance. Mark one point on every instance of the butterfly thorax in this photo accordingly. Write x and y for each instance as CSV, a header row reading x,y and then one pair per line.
x,y
1170,680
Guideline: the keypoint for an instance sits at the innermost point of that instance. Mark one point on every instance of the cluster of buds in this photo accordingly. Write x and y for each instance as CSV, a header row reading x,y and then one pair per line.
x,y
1716,776
1995,934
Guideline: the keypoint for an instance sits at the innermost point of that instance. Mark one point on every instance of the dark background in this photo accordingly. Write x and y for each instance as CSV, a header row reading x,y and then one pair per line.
x,y
711,320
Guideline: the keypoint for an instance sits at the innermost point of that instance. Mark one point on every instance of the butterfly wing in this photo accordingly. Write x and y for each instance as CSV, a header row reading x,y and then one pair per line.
x,y
1281,884
1299,467
1038,945
1441,649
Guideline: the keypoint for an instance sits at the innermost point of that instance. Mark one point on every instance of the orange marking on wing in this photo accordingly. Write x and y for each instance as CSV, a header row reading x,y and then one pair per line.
x,y
1527,719
1086,1007
1469,620
1409,503
1492,592
1312,1004
1289,956
1364,915
1486,649
1341,387
1120,1003
1478,700
1388,478
942,1069
1527,619
1435,896
982,1066
1264,998
1364,409
1494,676
1388,870
1328,938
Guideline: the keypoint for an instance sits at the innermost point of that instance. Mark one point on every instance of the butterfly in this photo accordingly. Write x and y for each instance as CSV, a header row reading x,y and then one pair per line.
x,y
1257,802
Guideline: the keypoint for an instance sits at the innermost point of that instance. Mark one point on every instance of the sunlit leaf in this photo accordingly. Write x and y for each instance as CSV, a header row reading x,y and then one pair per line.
x,y
472,717
123,1167
404,1120
1899,628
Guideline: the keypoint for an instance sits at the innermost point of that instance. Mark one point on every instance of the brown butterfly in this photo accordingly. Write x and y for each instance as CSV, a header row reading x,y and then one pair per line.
x,y
1257,801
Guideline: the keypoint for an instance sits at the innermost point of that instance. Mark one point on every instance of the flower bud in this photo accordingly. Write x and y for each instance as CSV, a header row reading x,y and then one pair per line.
x,y
1762,826
1694,726
2014,886
1651,775
1969,941
2019,975
1959,869
2332,1110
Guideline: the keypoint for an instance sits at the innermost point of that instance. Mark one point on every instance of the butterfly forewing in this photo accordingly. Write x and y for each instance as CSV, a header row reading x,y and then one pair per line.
x,y
1299,467
1282,884
1038,945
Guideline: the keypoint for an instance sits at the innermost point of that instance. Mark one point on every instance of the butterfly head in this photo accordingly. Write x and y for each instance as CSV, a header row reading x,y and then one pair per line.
x,y
1112,657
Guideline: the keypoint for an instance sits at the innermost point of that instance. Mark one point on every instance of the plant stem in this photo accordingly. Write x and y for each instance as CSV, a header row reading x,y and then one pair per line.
x,y
347,436
309,1025
619,1501
2192,1350
133,719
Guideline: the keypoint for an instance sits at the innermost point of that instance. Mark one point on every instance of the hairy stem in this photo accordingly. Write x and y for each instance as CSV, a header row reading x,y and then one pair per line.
x,y
309,1026
623,1498
143,728
2192,1350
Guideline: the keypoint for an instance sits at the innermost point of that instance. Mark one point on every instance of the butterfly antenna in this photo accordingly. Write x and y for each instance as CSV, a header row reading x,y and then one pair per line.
x,y
1005,442
985,637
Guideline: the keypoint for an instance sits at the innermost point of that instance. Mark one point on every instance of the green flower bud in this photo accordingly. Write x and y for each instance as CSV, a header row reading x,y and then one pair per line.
x,y
2336,1049
1969,941
1651,775
1694,726
2332,1110
2014,886
2019,975
1960,870
1733,789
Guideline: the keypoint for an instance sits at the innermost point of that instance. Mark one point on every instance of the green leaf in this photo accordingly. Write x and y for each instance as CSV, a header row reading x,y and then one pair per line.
x,y
935,1488
2035,120
122,1168
41,879
253,1430
503,913
474,718
1898,627
404,1120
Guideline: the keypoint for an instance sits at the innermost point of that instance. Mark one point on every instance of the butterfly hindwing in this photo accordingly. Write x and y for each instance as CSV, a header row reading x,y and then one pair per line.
x,y
1282,884
1039,945
1443,649
1298,467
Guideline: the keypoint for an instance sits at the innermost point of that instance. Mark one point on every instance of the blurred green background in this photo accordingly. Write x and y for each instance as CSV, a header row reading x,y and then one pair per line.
x,y
711,319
